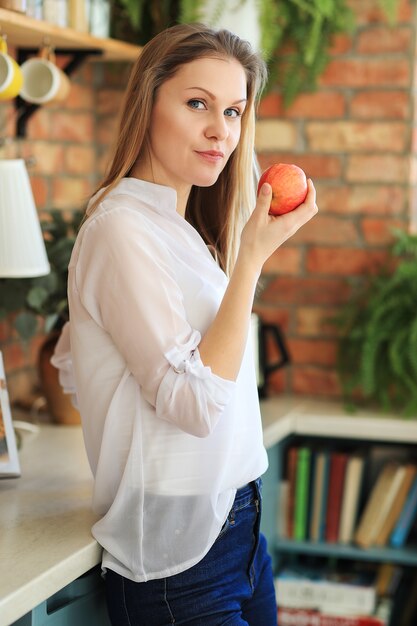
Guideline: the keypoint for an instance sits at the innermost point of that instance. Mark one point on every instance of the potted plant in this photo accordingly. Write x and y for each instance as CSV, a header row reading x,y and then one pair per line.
x,y
40,304
377,356
295,35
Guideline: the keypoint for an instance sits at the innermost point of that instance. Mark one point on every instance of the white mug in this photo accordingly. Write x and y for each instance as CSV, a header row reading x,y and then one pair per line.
x,y
43,81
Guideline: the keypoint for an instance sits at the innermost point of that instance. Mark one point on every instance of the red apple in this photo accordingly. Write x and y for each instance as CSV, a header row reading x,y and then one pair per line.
x,y
289,187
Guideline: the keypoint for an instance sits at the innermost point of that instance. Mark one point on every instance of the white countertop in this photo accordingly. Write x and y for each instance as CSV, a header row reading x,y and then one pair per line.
x,y
45,516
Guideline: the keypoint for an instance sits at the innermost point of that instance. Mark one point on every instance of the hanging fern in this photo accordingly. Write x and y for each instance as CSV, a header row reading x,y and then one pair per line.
x,y
377,354
296,35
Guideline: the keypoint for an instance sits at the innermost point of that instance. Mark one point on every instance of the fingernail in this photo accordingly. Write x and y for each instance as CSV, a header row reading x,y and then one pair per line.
x,y
266,188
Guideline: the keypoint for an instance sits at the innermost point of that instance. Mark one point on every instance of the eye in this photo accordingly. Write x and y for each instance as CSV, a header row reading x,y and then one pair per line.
x,y
198,105
232,113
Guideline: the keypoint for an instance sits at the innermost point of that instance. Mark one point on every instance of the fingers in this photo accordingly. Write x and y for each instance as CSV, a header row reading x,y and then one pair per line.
x,y
263,201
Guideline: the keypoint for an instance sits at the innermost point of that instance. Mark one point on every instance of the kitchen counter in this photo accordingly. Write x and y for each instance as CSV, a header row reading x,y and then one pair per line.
x,y
45,521
45,516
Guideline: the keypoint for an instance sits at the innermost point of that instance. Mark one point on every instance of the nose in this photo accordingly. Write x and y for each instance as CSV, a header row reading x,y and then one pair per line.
x,y
217,127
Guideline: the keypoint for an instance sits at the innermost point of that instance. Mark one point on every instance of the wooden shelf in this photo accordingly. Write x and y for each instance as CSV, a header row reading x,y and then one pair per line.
x,y
402,556
26,32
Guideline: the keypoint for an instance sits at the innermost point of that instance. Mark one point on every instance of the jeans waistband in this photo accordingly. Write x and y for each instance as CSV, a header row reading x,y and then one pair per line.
x,y
248,493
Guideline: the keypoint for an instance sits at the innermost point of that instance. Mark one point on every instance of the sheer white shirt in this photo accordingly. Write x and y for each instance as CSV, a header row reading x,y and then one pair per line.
x,y
168,441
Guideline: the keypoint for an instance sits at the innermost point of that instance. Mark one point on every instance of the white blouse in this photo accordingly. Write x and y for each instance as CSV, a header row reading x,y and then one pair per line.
x,y
168,441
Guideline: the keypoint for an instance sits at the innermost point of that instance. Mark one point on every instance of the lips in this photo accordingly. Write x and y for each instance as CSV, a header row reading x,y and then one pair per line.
x,y
211,155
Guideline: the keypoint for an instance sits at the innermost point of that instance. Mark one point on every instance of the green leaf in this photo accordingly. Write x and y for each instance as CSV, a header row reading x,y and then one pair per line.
x,y
37,297
26,325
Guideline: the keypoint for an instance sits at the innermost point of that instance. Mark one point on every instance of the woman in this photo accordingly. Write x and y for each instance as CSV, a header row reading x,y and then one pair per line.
x,y
161,287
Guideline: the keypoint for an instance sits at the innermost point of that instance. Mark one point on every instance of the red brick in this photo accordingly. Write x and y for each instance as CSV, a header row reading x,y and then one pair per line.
x,y
315,322
328,230
364,73
349,136
381,104
4,331
316,166
68,126
71,193
361,199
109,101
378,232
301,291
14,356
320,105
277,382
382,39
48,157
368,11
377,168
271,105
38,126
272,315
80,160
312,351
315,381
285,260
344,261
340,44
81,97
40,189
107,128
117,74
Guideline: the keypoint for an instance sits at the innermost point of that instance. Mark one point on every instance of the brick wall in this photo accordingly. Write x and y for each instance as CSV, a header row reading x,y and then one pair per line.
x,y
63,148
354,137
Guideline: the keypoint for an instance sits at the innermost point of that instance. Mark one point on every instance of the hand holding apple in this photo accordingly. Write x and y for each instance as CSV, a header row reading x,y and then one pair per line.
x,y
289,187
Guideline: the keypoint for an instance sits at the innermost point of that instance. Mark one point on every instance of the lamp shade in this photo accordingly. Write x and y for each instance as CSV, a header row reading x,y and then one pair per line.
x,y
22,249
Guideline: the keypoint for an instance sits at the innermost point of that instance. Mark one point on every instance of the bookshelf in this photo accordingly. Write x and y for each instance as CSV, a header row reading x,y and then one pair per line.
x,y
287,420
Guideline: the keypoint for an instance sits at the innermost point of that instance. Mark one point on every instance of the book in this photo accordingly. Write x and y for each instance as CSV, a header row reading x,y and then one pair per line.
x,y
338,462
350,500
367,529
407,516
388,578
282,508
320,484
405,481
301,493
311,617
325,591
291,470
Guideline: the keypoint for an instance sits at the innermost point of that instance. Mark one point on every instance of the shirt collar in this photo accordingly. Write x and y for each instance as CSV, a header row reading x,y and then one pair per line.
x,y
161,198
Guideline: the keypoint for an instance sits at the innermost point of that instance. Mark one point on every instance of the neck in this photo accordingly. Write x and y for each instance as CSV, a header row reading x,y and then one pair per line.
x,y
142,172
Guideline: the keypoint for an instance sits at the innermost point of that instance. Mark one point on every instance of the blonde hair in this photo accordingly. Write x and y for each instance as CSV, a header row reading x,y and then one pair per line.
x,y
233,195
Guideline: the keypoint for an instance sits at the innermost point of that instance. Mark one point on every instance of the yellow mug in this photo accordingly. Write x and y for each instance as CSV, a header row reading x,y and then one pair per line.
x,y
11,78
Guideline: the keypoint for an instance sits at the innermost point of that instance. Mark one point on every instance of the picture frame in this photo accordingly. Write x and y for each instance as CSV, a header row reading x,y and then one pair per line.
x,y
9,460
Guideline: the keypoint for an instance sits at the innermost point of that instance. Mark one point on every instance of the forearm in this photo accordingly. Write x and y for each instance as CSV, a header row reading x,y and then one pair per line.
x,y
223,344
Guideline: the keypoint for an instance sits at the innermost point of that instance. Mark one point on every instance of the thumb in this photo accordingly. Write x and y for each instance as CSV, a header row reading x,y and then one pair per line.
x,y
263,201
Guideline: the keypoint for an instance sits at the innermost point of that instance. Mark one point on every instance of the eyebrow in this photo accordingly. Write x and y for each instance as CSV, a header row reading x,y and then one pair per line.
x,y
213,97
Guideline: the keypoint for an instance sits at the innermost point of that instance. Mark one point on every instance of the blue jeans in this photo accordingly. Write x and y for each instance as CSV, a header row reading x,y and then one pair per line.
x,y
231,586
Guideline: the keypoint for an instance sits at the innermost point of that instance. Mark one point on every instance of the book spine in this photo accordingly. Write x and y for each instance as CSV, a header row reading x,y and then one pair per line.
x,y
291,477
338,461
301,493
327,596
307,617
403,525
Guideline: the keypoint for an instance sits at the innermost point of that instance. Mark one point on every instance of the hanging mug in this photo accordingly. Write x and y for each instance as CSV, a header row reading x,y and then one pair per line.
x,y
260,334
43,80
11,78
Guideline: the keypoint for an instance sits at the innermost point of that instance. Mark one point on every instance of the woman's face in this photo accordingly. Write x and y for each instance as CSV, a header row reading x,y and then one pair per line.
x,y
196,123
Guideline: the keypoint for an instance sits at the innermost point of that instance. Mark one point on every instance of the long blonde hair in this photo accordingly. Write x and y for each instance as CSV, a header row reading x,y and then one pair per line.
x,y
220,211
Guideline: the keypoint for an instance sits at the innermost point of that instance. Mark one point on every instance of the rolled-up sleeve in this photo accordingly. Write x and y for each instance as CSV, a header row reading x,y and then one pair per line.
x,y
126,281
